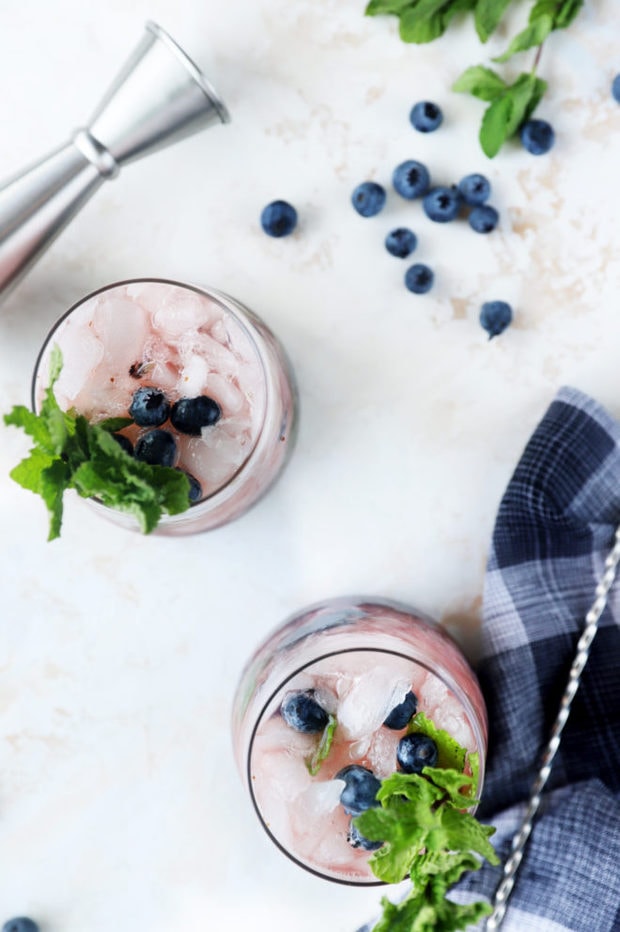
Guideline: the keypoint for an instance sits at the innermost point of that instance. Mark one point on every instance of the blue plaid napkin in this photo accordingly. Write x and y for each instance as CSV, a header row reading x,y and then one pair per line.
x,y
555,526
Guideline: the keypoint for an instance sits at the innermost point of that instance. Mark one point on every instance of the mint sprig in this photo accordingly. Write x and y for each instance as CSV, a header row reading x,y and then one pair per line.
x,y
71,453
429,836
423,21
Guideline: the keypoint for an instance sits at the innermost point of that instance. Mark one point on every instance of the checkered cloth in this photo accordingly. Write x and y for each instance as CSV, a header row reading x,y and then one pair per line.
x,y
555,526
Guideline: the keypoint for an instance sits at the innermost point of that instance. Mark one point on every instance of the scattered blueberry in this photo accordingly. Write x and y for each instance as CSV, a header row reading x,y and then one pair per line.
x,y
190,415
368,198
442,204
401,242
415,752
361,789
20,924
476,189
357,840
419,278
124,442
402,713
156,447
195,488
483,218
495,316
278,218
303,713
426,116
537,136
149,407
411,179
615,88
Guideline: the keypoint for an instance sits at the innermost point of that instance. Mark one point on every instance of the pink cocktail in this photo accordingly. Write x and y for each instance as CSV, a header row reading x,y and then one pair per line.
x,y
359,661
168,343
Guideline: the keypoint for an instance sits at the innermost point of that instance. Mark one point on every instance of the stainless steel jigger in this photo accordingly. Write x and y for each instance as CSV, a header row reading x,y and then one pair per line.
x,y
159,97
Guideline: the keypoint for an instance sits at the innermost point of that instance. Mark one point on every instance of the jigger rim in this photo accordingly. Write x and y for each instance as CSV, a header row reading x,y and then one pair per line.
x,y
192,67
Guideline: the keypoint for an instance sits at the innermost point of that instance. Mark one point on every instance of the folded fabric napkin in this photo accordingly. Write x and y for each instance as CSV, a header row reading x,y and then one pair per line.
x,y
555,526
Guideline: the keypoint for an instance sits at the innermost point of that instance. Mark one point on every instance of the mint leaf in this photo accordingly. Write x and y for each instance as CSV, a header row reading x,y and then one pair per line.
x,y
324,746
458,787
377,7
451,754
115,423
421,28
567,13
463,832
487,16
32,425
504,116
483,83
534,34
71,453
562,12
54,480
403,826
416,914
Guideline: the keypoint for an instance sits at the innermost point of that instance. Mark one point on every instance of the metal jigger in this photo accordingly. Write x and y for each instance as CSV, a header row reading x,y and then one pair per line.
x,y
159,97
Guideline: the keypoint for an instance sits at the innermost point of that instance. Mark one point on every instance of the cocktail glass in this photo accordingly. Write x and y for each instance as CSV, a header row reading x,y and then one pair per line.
x,y
359,658
183,341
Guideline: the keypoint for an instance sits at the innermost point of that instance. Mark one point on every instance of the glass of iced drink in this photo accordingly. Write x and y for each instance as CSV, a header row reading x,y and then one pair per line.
x,y
204,380
368,667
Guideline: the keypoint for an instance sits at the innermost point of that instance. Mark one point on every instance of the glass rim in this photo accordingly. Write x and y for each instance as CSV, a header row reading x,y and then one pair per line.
x,y
231,307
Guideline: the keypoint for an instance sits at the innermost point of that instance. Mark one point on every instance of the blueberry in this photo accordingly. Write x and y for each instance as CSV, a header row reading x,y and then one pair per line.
x,y
442,204
415,752
149,407
402,713
495,316
195,488
476,189
425,116
537,136
124,442
20,924
278,218
615,88
190,415
401,242
303,713
357,840
483,219
156,447
368,198
361,789
411,179
419,278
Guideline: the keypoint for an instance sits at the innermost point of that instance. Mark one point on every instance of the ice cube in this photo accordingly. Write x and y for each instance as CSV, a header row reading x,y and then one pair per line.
x,y
181,312
381,754
319,799
371,697
226,393
219,357
82,351
432,693
122,326
449,716
193,377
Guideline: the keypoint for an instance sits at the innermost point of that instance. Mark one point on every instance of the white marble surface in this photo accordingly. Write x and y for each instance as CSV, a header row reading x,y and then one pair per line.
x,y
119,804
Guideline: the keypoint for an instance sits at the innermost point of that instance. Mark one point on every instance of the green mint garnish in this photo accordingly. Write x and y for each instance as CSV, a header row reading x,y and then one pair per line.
x,y
450,753
71,453
324,746
422,21
429,836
